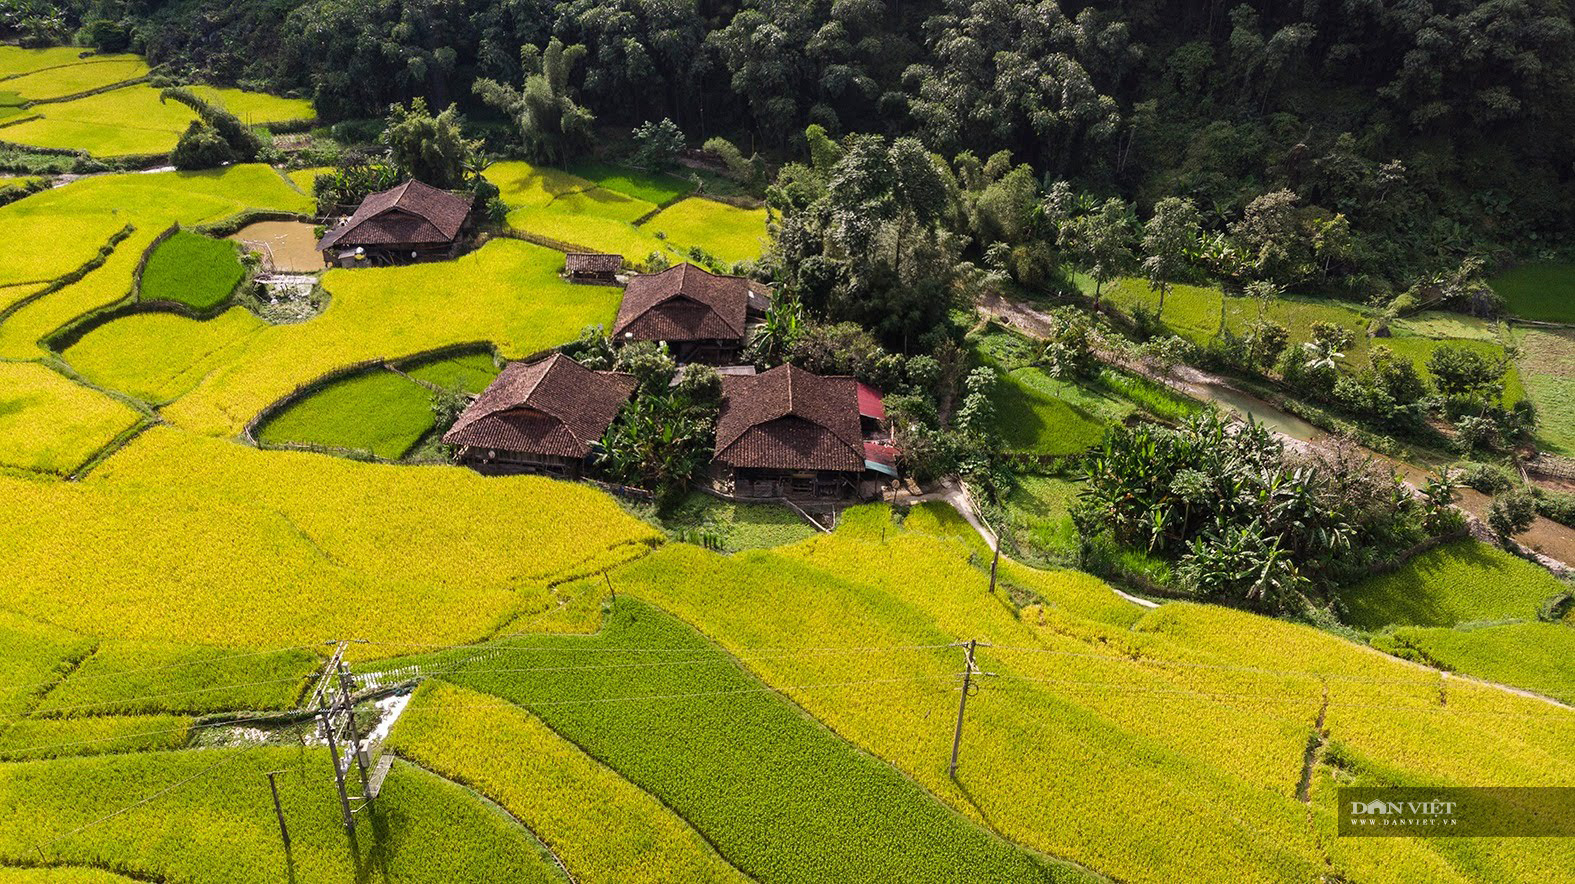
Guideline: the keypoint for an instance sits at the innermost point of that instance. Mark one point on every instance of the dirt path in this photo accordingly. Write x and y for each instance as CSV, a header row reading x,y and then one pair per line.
x,y
1551,544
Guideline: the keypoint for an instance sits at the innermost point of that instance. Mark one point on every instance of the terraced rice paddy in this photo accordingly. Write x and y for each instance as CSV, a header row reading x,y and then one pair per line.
x,y
95,72
173,352
193,270
130,121
1544,291
378,413
50,425
1457,583
1547,368
725,232
257,108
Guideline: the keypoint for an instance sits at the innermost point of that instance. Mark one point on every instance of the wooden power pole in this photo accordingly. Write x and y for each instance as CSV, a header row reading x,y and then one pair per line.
x,y
284,833
339,770
970,669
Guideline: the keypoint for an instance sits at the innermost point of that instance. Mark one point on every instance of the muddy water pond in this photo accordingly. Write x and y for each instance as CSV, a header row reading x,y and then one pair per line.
x,y
286,246
1246,404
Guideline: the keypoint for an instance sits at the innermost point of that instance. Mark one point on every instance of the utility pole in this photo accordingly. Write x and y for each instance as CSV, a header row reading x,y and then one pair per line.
x,y
969,671
278,811
994,563
339,771
346,694
610,587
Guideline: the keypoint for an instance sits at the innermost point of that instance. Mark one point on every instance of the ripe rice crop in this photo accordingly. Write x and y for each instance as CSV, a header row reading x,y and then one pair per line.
x,y
60,875
306,179
378,412
1455,583
13,294
471,372
36,738
591,232
257,108
49,424
173,352
250,549
192,270
142,678
779,797
726,232
14,60
158,199
103,286
130,121
220,827
508,292
522,184
600,825
33,657
96,72
59,244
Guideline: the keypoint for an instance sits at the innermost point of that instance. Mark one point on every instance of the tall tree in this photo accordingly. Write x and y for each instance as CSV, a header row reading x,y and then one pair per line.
x,y
1101,242
427,148
1168,240
552,127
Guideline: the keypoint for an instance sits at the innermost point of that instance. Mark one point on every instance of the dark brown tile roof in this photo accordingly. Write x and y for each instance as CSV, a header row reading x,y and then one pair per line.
x,y
790,419
551,406
684,303
411,214
592,262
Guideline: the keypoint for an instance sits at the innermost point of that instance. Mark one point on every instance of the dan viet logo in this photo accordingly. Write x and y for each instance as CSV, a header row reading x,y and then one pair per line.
x,y
1378,812
1456,811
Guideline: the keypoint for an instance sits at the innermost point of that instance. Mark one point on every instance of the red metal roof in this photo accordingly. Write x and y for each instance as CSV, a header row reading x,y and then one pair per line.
x,y
870,402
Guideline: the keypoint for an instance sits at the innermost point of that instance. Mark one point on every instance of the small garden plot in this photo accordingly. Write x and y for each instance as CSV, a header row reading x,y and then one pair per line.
x,y
1456,583
1543,292
97,72
257,108
603,827
1039,517
378,413
130,121
36,738
15,60
659,188
780,797
703,519
1534,656
33,656
1547,367
157,356
144,678
725,232
470,372
1039,414
1440,324
50,425
221,828
193,270
57,244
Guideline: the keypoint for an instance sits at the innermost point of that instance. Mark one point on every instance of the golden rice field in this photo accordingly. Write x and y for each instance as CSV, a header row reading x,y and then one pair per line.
x,y
64,242
257,108
156,357
15,60
508,292
94,72
130,121
726,232
50,425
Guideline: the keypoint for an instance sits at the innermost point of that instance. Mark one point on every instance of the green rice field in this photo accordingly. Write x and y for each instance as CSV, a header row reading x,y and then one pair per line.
x,y
1456,583
192,270
1529,655
470,372
1547,369
1543,291
378,413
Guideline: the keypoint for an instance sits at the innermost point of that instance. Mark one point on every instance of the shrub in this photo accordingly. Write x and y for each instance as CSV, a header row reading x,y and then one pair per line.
x,y
201,147
1512,513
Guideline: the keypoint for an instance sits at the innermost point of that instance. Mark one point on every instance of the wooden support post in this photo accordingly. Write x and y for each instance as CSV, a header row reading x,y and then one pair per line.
x,y
278,811
610,588
969,671
347,697
995,563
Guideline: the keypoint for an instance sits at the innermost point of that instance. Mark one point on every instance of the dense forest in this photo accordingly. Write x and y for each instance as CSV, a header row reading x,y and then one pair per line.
x,y
1436,128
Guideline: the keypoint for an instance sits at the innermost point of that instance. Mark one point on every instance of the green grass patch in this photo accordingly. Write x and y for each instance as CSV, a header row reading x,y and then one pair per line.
x,y
600,825
1039,414
1543,292
660,188
732,526
36,738
144,678
1531,655
725,232
1039,517
50,424
193,270
378,412
779,796
157,356
471,372
221,827
1456,583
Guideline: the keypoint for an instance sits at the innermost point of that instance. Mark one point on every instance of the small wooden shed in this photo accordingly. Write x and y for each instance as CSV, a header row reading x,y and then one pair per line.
x,y
593,267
